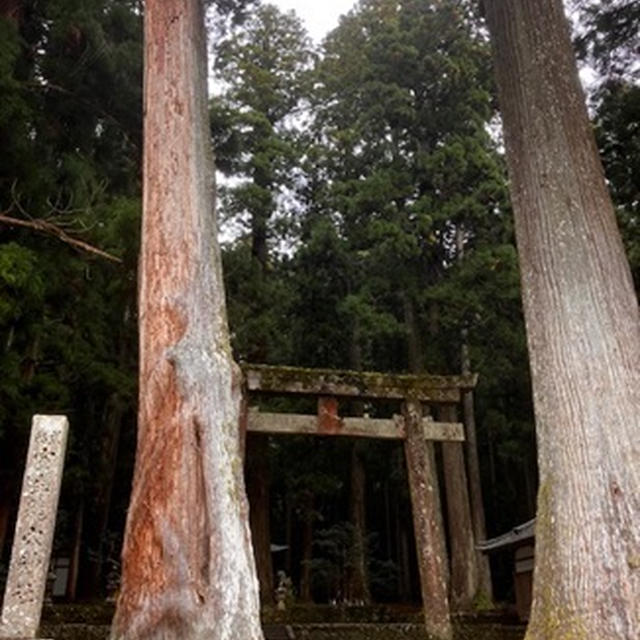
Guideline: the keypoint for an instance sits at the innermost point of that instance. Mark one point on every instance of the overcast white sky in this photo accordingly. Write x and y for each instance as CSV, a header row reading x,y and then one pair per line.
x,y
319,16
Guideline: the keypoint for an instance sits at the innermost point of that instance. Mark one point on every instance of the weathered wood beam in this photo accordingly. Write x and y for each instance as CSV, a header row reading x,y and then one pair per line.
x,y
356,384
389,429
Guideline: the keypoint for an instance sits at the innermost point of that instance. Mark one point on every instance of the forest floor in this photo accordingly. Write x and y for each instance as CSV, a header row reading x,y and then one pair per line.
x,y
91,622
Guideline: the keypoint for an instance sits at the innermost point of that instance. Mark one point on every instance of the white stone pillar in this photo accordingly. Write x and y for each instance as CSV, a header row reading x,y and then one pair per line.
x,y
30,555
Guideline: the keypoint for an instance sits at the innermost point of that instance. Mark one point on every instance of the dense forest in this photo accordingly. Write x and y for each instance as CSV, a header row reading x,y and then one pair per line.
x,y
365,222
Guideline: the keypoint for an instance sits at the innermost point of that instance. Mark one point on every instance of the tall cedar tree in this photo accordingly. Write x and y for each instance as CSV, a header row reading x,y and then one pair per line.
x,y
583,330
188,568
404,102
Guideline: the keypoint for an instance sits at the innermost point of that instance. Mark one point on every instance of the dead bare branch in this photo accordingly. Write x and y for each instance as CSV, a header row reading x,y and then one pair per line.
x,y
49,228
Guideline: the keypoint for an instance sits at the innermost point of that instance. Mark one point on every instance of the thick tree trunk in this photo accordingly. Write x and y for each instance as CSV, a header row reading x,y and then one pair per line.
x,y
475,483
464,583
583,331
188,569
258,494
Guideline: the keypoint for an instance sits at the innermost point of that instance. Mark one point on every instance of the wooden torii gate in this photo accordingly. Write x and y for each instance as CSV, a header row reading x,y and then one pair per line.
x,y
414,426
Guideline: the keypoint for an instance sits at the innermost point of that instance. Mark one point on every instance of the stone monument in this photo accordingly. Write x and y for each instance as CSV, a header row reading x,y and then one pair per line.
x,y
35,526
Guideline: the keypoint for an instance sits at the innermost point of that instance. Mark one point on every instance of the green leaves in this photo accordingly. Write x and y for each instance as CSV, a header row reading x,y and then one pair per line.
x,y
70,132
264,63
20,282
618,134
609,37
18,268
263,67
608,40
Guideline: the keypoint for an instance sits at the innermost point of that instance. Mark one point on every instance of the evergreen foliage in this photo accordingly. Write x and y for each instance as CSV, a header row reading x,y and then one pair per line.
x,y
70,131
365,224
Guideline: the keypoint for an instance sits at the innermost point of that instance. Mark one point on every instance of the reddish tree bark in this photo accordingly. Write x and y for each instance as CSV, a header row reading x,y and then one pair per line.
x,y
188,569
583,331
